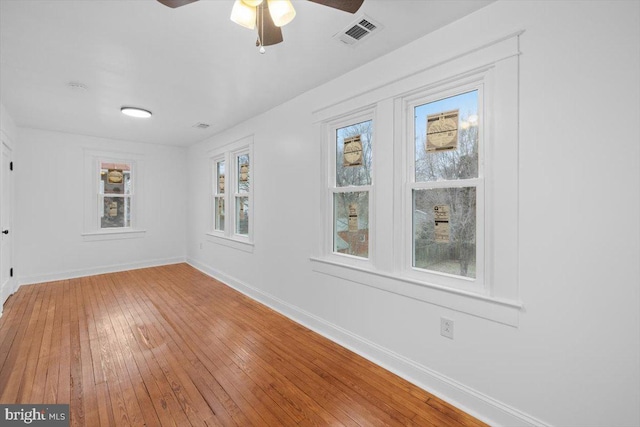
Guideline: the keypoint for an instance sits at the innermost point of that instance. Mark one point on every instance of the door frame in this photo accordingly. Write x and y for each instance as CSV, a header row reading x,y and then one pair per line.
x,y
10,285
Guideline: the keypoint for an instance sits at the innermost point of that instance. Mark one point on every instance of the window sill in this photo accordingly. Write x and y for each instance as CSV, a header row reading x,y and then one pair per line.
x,y
487,307
113,235
241,245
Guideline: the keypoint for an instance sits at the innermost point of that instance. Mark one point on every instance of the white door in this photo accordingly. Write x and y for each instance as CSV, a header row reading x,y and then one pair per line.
x,y
6,238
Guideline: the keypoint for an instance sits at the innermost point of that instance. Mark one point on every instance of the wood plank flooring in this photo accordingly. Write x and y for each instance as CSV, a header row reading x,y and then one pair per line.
x,y
170,346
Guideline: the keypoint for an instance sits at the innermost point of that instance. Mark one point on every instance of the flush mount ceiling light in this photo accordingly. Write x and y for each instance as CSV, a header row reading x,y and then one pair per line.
x,y
136,112
269,15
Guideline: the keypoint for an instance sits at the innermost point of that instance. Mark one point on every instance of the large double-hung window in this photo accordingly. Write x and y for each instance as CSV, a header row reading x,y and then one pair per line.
x,y
428,208
351,144
445,181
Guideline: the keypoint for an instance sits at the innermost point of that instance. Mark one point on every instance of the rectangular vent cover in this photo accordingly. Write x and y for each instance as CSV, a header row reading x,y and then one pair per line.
x,y
358,30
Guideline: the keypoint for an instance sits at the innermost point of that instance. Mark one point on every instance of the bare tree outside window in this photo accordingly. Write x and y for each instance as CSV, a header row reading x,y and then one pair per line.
x,y
354,175
243,169
455,254
351,207
219,188
116,194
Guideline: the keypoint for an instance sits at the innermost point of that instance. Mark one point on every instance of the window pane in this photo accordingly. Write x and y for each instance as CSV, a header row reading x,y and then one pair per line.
x,y
351,223
219,213
243,173
242,215
353,154
446,133
444,230
115,178
220,178
116,212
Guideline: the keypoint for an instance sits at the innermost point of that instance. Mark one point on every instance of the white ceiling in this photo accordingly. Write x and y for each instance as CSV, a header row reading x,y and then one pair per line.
x,y
187,65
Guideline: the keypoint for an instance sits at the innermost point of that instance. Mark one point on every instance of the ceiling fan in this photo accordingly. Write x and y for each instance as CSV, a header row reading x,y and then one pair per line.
x,y
269,15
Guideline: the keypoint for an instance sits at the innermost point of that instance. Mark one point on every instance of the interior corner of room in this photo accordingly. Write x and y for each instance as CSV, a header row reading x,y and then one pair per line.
x,y
412,212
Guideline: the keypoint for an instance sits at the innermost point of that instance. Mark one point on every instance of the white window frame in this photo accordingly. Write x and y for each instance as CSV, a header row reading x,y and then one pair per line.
x,y
229,154
215,193
330,187
92,229
477,284
493,295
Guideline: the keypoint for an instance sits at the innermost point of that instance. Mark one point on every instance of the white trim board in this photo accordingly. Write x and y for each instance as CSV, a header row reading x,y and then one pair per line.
x,y
5,293
73,274
473,402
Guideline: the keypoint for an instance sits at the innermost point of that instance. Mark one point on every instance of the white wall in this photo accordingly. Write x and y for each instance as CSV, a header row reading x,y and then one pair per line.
x,y
9,134
49,179
574,358
7,125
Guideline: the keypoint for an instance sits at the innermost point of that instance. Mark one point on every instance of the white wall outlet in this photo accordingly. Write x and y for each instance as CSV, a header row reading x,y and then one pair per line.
x,y
446,327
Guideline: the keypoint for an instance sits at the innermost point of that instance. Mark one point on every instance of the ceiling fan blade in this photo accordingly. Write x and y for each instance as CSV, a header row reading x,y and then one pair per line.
x,y
176,3
350,6
268,33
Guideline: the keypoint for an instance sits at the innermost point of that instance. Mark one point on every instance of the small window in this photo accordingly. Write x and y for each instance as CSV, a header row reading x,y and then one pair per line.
x,y
115,195
232,194
242,194
351,188
218,195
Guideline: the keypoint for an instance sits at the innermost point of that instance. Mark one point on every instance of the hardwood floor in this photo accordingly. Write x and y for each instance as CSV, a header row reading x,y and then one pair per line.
x,y
171,346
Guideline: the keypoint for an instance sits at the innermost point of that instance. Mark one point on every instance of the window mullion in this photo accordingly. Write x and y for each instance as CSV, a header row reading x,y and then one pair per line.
x,y
351,189
475,182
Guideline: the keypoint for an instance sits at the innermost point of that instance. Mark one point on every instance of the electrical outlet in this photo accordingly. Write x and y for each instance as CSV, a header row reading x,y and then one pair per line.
x,y
446,327
201,245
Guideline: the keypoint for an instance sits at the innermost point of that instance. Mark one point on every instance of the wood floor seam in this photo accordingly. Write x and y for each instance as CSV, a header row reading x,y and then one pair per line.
x,y
170,346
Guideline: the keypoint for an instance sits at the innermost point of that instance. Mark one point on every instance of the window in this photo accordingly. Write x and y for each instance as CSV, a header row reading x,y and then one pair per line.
x,y
446,185
430,209
351,188
242,193
232,193
218,196
113,195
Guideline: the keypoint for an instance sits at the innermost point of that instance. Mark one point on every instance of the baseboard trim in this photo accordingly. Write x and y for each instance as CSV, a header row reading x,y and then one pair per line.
x,y
73,274
477,404
5,292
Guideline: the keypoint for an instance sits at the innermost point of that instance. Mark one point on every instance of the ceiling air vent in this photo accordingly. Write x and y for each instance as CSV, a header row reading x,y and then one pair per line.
x,y
358,30
201,126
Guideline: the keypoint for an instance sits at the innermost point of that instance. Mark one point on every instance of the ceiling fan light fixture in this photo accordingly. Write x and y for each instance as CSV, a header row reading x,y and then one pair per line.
x,y
281,11
136,112
244,14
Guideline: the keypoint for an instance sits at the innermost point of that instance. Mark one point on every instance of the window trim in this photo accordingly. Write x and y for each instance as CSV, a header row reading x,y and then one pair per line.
x,y
229,154
329,188
92,230
132,197
496,65
215,194
479,284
